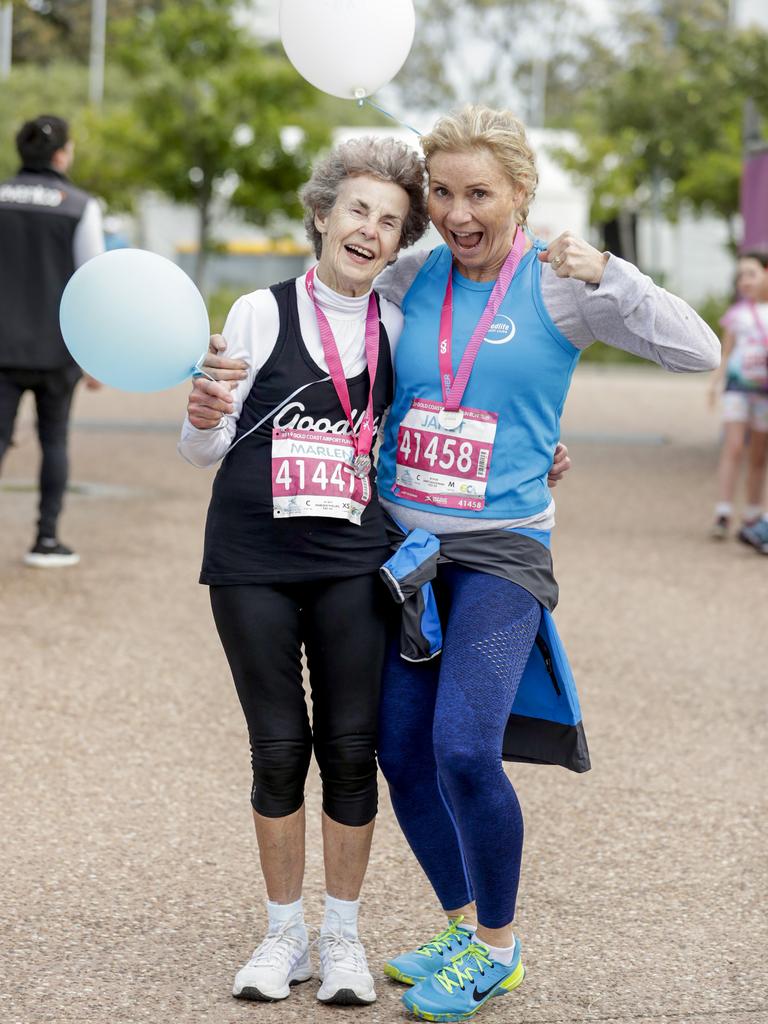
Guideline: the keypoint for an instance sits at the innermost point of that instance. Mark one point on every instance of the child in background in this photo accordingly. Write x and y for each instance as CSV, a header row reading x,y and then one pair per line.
x,y
744,370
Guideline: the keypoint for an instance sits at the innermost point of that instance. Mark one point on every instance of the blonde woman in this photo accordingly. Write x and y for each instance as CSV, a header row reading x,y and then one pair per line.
x,y
494,326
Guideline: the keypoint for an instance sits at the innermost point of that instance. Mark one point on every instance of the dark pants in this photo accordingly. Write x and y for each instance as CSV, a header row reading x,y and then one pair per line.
x,y
342,627
53,390
440,740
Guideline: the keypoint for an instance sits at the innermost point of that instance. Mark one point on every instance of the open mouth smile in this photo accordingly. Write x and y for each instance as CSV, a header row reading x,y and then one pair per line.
x,y
360,253
467,241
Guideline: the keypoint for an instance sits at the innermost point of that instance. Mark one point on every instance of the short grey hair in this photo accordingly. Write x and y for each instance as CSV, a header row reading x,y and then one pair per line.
x,y
386,159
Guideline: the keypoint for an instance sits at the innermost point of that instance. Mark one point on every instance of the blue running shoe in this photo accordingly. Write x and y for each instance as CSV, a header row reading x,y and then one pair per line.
x,y
457,992
422,963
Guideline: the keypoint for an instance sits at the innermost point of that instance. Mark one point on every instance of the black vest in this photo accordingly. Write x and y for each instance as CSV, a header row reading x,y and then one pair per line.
x,y
244,543
39,213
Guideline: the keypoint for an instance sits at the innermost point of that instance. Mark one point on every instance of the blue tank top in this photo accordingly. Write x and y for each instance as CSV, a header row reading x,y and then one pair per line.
x,y
522,373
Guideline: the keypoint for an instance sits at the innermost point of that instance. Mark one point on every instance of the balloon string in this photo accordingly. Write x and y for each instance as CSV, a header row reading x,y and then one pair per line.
x,y
386,113
277,408
199,371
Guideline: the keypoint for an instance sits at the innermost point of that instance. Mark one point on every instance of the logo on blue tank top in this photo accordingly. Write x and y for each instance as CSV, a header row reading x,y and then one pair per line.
x,y
501,330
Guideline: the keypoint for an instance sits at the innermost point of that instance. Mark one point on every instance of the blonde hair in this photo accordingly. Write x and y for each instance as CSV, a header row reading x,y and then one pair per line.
x,y
498,131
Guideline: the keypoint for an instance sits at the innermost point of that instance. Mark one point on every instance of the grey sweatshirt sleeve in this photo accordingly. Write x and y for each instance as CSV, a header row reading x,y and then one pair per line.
x,y
395,281
628,311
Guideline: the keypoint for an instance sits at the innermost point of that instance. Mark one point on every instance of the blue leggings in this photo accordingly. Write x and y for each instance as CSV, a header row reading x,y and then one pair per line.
x,y
440,739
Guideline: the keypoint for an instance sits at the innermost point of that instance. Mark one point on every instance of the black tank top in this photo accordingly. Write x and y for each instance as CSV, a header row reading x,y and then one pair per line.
x,y
244,543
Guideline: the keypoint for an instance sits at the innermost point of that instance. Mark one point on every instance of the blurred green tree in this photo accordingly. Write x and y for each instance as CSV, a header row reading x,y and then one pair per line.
x,y
194,109
513,45
210,109
661,128
45,31
655,92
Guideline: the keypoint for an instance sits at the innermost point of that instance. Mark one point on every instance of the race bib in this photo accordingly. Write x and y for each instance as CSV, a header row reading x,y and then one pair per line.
x,y
438,466
753,365
312,476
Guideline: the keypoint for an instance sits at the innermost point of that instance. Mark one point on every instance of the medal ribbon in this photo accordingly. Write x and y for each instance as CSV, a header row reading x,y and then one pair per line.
x,y
454,387
758,322
363,441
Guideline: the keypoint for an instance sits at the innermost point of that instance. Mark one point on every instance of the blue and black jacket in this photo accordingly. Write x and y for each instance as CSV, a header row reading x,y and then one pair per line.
x,y
544,725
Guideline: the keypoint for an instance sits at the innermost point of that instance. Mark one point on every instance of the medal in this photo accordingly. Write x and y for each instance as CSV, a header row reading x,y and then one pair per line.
x,y
450,419
361,465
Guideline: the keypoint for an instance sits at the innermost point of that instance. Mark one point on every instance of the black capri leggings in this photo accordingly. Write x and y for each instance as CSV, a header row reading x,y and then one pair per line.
x,y
341,625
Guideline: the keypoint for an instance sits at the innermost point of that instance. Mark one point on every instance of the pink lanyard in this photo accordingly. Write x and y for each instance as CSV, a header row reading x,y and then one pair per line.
x,y
454,387
759,323
363,441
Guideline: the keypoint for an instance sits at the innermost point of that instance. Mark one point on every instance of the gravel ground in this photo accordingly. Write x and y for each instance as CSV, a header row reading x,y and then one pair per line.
x,y
130,888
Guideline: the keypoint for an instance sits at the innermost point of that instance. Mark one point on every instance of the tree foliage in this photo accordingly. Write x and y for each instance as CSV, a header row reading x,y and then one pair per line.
x,y
194,107
46,31
663,126
489,50
211,108
655,94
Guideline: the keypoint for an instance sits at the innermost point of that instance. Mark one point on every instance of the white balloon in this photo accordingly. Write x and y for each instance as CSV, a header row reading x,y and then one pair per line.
x,y
348,48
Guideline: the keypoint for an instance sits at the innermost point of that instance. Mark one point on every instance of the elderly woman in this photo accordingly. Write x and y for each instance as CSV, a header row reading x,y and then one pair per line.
x,y
494,326
293,544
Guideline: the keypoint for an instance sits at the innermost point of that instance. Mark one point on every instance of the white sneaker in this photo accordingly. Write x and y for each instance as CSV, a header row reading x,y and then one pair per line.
x,y
344,972
280,961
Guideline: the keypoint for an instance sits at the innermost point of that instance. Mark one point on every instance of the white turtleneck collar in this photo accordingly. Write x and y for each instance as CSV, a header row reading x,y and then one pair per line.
x,y
340,305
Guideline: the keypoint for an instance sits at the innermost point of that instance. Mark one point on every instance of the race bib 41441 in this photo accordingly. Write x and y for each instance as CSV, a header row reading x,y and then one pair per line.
x,y
312,476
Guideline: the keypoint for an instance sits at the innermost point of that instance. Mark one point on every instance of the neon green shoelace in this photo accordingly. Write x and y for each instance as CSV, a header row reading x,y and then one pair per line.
x,y
461,968
442,941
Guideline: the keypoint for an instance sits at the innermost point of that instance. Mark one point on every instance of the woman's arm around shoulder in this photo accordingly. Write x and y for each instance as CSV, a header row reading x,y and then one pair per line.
x,y
393,283
593,296
214,407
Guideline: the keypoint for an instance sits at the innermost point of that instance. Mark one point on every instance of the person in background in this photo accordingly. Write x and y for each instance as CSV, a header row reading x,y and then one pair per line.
x,y
742,382
48,228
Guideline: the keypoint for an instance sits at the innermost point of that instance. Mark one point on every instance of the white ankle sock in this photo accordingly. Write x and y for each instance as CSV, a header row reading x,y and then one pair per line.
x,y
501,954
341,916
723,509
752,513
280,913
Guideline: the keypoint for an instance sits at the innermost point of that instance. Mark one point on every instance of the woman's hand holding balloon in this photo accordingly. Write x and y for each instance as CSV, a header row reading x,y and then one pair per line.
x,y
570,256
218,366
209,401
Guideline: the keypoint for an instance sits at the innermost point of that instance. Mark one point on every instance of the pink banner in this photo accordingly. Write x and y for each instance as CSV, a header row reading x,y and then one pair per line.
x,y
754,202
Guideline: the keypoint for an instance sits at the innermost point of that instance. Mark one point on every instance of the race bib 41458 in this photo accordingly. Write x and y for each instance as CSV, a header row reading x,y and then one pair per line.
x,y
438,466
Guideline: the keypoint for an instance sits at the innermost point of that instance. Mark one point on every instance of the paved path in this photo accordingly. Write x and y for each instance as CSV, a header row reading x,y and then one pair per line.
x,y
130,890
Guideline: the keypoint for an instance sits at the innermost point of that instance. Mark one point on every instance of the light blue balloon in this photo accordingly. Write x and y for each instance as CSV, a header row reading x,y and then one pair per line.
x,y
134,320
